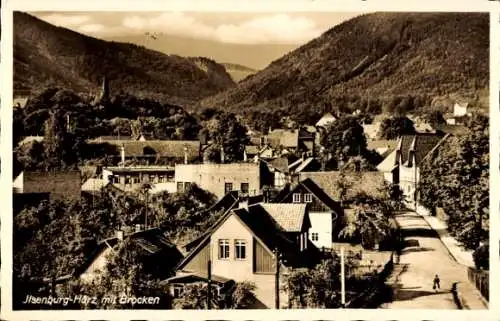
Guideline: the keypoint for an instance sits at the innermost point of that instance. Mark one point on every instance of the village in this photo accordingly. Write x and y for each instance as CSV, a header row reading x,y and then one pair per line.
x,y
289,224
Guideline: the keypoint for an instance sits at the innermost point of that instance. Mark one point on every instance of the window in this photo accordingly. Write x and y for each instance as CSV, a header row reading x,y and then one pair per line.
x,y
314,236
116,179
187,186
224,249
127,179
308,198
244,188
296,197
180,187
228,187
178,289
240,250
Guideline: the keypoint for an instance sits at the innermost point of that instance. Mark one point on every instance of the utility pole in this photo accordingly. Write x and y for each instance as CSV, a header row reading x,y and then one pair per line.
x,y
342,277
209,285
277,280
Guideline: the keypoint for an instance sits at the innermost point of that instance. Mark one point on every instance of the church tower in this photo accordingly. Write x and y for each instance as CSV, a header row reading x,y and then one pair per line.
x,y
105,89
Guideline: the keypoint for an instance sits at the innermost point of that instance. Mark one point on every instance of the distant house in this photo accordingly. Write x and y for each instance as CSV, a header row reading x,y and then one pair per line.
x,y
220,179
58,185
460,109
326,120
293,140
132,178
324,212
382,147
402,165
240,247
31,139
154,151
19,102
279,167
157,254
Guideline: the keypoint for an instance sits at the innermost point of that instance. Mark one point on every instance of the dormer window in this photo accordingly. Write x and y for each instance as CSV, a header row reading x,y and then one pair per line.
x,y
308,198
296,197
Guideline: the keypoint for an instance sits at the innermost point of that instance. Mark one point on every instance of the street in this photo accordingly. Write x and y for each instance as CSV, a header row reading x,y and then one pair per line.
x,y
424,256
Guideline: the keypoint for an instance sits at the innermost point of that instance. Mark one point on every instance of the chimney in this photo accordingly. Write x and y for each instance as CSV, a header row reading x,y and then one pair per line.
x,y
222,155
119,235
185,155
122,152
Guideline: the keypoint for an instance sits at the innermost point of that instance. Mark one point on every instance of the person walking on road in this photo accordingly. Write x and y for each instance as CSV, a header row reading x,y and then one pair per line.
x,y
436,285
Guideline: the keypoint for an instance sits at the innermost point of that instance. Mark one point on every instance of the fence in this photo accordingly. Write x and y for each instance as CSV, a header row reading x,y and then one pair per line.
x,y
481,280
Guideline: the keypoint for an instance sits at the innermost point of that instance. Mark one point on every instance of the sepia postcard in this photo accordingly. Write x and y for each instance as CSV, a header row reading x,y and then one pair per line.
x,y
297,160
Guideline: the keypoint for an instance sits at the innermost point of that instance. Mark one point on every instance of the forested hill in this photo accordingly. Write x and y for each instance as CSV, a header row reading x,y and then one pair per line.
x,y
50,56
383,57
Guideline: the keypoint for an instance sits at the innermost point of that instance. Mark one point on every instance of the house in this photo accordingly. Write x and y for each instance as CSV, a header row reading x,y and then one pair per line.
x,y
460,109
57,185
219,179
326,120
293,140
381,146
371,130
19,102
279,168
157,254
132,178
245,245
365,182
166,152
324,212
402,165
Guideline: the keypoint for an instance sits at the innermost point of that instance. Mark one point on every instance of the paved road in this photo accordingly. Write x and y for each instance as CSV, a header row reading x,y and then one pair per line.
x,y
423,257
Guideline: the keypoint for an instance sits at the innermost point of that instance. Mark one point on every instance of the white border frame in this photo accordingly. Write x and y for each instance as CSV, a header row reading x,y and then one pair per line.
x,y
255,6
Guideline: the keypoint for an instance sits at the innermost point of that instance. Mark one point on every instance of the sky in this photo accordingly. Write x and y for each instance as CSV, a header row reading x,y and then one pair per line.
x,y
225,27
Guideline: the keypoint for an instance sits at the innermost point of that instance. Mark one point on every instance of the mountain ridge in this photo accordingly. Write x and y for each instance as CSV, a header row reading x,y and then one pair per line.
x,y
47,55
372,56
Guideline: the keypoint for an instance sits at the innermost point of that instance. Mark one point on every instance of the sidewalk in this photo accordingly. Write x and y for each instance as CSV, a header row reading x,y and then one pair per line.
x,y
461,255
469,295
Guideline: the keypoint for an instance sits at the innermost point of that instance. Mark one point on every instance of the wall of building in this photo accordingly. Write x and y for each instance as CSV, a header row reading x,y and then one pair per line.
x,y
62,185
321,223
212,177
408,178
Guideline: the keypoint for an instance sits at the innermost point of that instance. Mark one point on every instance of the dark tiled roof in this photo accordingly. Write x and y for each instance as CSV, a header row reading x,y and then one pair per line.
x,y
369,183
280,164
321,195
60,184
423,144
161,148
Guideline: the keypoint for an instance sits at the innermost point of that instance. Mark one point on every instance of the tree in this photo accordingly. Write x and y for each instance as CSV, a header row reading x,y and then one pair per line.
x,y
227,132
456,178
371,222
394,127
344,138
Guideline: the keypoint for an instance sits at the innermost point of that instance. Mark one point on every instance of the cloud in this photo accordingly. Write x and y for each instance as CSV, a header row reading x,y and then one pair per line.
x,y
278,28
91,28
66,20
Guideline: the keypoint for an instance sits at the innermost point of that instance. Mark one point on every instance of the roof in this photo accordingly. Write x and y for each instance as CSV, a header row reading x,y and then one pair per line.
x,y
381,143
283,137
153,243
289,217
268,227
61,184
154,148
311,186
30,139
422,143
389,163
103,139
252,149
94,185
280,164
326,119
20,102
304,164
196,277
369,183
143,168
